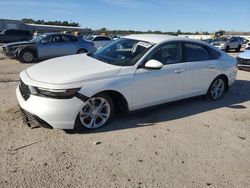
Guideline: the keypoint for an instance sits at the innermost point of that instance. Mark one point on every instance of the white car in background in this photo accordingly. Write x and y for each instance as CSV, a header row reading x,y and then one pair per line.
x,y
99,40
130,73
227,44
247,46
244,61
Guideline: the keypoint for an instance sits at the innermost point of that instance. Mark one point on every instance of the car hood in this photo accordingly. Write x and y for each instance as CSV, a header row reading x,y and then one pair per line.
x,y
11,44
245,55
70,69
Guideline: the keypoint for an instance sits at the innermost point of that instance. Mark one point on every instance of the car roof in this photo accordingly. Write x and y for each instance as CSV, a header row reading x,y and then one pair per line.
x,y
160,38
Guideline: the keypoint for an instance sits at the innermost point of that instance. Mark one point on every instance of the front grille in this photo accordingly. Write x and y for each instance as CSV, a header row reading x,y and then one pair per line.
x,y
24,89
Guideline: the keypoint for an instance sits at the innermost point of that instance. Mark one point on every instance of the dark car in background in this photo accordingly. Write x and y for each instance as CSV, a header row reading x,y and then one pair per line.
x,y
47,46
14,35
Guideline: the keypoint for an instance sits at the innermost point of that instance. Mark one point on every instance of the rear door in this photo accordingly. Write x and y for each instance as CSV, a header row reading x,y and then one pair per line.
x,y
200,68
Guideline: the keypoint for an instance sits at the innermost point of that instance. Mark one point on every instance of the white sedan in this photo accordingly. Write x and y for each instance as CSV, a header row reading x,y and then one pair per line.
x,y
98,40
130,73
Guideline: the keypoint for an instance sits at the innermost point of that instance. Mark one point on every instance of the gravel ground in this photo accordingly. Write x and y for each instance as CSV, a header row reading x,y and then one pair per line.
x,y
193,143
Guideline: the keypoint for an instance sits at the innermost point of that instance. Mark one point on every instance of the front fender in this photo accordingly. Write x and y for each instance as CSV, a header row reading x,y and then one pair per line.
x,y
21,48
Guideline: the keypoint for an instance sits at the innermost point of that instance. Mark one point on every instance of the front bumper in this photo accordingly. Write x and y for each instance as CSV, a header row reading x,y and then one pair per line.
x,y
48,112
33,121
10,53
243,67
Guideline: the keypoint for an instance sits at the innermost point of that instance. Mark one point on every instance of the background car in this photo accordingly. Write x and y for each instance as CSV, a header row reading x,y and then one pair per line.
x,y
130,73
48,46
244,61
247,46
209,41
226,44
13,35
99,40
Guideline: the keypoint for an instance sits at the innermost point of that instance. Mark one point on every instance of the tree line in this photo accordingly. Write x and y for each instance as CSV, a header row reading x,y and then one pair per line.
x,y
60,23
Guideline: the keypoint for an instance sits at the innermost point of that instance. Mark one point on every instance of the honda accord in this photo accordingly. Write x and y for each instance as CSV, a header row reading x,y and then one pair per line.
x,y
130,73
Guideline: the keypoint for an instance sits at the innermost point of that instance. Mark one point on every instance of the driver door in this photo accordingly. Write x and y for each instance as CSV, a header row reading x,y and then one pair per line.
x,y
152,87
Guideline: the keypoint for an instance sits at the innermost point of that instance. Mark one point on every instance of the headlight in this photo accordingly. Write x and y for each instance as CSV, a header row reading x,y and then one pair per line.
x,y
56,93
222,44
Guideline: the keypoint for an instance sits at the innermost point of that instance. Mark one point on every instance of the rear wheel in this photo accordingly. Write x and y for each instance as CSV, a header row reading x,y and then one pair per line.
x,y
238,49
97,112
27,56
216,89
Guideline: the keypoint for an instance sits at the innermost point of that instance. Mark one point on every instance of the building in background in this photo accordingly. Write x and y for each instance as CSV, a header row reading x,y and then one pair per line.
x,y
37,28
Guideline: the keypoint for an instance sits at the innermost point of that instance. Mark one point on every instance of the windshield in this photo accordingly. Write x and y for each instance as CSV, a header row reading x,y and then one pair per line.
x,y
122,52
222,40
38,38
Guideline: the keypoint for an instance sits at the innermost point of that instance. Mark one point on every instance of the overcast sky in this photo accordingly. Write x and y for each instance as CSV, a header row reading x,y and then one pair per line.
x,y
164,15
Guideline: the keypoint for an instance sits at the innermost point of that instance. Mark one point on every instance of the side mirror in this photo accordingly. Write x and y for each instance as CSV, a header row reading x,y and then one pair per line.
x,y
153,64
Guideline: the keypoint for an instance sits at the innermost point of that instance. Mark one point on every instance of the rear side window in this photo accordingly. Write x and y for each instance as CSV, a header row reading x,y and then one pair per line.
x,y
195,52
214,54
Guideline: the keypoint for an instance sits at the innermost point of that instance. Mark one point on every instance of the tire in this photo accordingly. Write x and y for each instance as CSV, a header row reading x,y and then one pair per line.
x,y
27,56
238,49
216,89
82,51
92,117
227,49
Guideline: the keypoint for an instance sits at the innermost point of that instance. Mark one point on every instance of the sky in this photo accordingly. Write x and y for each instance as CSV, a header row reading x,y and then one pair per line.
x,y
141,15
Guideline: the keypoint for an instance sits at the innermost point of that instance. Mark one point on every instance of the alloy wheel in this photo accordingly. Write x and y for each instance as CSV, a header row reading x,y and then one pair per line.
x,y
217,89
28,57
95,113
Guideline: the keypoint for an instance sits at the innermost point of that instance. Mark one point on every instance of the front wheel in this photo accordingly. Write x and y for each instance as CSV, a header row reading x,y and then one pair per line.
x,y
27,56
97,112
216,89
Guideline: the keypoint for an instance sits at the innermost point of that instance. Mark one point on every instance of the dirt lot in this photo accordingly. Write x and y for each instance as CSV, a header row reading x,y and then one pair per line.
x,y
193,143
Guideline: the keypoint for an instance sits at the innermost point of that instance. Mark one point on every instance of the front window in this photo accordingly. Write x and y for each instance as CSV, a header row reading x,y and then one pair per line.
x,y
122,52
39,38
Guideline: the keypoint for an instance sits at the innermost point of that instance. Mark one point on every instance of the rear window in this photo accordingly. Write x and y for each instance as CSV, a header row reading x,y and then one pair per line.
x,y
214,54
195,52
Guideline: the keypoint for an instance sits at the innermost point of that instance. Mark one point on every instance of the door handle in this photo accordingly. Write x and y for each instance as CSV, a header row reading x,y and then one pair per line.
x,y
211,66
178,71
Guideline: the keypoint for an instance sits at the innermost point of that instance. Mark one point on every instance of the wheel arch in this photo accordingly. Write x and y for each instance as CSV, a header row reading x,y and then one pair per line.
x,y
81,48
34,50
225,77
120,102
